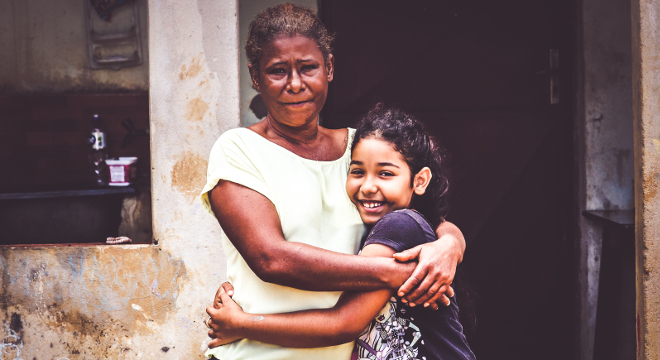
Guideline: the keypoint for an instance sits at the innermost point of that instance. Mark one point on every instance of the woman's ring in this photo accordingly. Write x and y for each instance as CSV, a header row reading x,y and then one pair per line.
x,y
206,322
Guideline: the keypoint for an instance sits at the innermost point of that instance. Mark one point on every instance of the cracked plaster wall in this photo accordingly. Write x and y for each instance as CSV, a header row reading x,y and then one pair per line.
x,y
142,301
646,105
604,142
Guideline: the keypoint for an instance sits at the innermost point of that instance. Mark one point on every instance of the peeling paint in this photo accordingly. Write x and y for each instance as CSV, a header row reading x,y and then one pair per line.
x,y
91,292
651,186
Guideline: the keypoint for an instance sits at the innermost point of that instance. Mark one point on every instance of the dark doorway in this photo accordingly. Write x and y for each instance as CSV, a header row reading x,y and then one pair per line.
x,y
478,74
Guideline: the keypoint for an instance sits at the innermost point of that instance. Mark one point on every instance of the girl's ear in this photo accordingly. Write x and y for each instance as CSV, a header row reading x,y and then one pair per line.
x,y
421,181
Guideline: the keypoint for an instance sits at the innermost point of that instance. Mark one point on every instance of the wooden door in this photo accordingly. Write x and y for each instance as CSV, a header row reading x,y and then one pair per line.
x,y
477,73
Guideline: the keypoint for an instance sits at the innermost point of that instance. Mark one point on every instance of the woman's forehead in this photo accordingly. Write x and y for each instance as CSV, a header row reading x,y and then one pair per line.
x,y
285,46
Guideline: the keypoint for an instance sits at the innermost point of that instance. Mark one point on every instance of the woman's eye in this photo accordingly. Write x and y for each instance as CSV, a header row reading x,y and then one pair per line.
x,y
356,172
386,173
309,68
278,71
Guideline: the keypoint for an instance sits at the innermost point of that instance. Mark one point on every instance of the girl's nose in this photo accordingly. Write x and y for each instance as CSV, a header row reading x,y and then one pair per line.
x,y
368,186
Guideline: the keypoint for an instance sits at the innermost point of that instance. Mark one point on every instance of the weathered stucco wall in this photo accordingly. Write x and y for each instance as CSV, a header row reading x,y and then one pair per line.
x,y
608,105
646,105
142,301
43,48
604,142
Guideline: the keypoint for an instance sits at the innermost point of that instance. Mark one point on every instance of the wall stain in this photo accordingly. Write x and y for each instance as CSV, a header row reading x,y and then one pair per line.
x,y
651,186
189,173
94,305
194,68
196,109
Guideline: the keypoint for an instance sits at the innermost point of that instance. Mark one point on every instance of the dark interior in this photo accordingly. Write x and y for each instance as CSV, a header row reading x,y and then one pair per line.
x,y
478,74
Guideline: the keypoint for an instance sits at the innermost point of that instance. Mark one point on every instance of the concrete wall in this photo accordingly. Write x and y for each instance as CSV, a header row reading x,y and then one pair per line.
x,y
608,99
248,9
43,48
646,105
604,141
142,301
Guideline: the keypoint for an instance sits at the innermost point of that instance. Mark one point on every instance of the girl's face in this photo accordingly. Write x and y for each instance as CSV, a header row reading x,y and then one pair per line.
x,y
293,80
379,180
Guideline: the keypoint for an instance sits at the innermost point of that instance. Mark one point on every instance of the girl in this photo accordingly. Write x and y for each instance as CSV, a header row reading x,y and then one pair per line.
x,y
397,183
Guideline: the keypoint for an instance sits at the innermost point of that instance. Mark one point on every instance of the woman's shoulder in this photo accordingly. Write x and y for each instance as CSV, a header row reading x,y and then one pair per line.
x,y
235,133
237,138
340,138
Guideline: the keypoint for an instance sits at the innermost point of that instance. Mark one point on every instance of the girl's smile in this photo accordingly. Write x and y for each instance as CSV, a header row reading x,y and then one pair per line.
x,y
379,180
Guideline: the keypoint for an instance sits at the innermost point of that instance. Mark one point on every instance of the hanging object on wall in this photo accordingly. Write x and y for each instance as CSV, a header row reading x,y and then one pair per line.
x,y
112,49
104,7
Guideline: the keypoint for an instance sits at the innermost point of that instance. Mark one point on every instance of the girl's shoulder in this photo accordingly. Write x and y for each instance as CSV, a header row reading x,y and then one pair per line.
x,y
401,230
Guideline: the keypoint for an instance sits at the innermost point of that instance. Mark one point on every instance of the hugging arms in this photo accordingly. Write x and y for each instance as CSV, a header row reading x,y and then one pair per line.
x,y
251,223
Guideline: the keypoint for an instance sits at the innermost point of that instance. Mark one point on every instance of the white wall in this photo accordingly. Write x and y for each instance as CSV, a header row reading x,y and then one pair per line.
x,y
142,301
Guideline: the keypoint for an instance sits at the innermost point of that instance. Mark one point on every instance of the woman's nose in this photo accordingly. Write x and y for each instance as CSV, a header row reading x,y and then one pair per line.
x,y
295,84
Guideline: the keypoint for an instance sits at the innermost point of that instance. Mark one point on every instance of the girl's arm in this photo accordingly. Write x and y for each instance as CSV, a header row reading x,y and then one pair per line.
x,y
303,329
251,223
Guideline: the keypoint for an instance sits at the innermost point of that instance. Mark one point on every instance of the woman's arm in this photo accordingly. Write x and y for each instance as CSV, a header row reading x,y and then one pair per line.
x,y
251,223
303,329
437,260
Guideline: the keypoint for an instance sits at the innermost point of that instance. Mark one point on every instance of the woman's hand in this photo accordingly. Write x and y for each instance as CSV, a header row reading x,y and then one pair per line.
x,y
430,282
224,319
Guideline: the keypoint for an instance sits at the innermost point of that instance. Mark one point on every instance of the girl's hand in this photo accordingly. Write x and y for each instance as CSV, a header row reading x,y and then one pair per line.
x,y
224,320
430,282
225,287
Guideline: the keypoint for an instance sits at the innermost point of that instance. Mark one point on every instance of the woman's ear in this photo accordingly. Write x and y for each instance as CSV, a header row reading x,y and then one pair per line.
x,y
330,68
421,181
254,76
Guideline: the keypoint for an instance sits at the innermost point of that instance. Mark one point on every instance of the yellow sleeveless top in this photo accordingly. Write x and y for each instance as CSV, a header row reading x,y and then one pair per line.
x,y
313,208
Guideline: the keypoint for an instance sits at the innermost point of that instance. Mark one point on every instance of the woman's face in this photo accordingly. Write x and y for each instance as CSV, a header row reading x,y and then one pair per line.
x,y
293,80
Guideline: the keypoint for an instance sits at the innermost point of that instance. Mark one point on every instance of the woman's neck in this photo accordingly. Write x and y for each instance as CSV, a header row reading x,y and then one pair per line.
x,y
302,136
313,142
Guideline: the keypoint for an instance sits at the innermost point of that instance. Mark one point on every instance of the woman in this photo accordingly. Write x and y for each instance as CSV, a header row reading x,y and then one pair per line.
x,y
277,190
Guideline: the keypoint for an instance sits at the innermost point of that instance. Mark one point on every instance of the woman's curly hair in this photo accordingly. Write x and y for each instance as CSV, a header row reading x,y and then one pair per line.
x,y
409,138
285,20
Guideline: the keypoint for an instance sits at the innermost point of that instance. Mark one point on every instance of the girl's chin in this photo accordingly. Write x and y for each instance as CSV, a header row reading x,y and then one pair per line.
x,y
370,219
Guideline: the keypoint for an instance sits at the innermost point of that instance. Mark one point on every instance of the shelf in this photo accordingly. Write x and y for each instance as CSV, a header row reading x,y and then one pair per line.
x,y
62,193
623,218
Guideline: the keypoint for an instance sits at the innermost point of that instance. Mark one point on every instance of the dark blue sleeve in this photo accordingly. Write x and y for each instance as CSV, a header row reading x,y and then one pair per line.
x,y
400,230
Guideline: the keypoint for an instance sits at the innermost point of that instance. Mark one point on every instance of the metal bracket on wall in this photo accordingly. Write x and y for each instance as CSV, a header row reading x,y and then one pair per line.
x,y
108,50
554,76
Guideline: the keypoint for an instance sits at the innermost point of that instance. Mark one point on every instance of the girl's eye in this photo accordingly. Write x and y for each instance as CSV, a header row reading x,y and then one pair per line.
x,y
356,172
386,173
